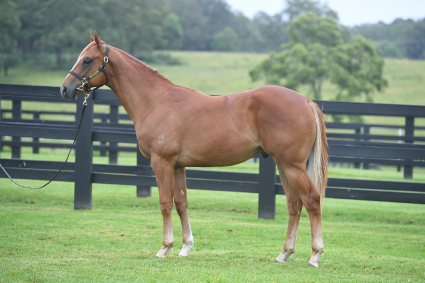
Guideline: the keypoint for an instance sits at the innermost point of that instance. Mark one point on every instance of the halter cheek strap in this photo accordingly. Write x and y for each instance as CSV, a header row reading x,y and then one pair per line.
x,y
85,81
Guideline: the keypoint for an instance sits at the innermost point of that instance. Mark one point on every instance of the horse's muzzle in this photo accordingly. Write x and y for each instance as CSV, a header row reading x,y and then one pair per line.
x,y
67,94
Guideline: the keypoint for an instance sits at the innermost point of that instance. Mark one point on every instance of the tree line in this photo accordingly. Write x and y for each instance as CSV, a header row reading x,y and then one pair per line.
x,y
401,38
29,27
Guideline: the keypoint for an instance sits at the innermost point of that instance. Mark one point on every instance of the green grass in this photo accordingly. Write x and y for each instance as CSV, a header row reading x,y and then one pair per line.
x,y
43,240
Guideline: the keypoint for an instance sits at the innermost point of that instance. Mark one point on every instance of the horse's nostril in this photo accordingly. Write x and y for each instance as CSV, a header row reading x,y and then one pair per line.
x,y
64,90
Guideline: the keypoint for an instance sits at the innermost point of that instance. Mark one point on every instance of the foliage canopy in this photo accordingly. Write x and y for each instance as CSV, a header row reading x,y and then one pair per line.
x,y
316,53
36,28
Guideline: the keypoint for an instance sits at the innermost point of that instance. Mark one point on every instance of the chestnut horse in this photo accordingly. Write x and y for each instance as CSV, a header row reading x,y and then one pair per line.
x,y
179,127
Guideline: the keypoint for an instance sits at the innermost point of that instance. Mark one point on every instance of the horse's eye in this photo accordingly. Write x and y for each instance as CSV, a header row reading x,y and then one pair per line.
x,y
87,61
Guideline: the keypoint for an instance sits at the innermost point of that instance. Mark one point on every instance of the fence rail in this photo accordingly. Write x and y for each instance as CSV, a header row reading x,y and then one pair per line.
x,y
359,147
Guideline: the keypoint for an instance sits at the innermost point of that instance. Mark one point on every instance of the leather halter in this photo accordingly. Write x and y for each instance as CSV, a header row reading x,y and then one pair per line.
x,y
84,87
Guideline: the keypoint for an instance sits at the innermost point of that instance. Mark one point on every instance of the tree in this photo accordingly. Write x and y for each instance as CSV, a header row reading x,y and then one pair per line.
x,y
218,14
66,26
309,29
404,35
357,69
414,44
294,8
225,40
295,66
193,22
172,32
271,29
316,53
9,26
388,49
31,18
250,38
135,25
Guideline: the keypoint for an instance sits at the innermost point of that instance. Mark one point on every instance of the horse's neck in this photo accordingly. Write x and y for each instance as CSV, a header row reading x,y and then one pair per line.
x,y
139,87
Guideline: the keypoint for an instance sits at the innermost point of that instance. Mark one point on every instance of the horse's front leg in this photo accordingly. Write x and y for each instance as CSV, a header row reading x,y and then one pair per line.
x,y
180,199
164,174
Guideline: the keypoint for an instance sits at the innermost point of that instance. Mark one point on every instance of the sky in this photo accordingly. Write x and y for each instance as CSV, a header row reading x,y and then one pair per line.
x,y
350,12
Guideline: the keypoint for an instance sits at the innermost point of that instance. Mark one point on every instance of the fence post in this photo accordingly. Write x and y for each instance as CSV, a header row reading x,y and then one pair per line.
x,y
113,118
409,129
366,131
267,189
84,157
35,148
143,191
16,114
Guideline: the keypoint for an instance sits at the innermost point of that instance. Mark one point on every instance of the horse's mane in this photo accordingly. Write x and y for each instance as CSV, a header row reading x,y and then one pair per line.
x,y
152,70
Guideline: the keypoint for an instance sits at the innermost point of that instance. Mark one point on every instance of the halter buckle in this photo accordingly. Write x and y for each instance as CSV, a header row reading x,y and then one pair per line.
x,y
106,59
84,82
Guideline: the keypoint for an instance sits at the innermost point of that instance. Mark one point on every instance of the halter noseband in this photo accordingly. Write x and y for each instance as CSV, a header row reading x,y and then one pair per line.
x,y
84,87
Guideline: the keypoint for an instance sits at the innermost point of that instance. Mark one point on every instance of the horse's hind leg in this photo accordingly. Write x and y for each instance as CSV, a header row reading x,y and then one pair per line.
x,y
180,199
303,186
295,206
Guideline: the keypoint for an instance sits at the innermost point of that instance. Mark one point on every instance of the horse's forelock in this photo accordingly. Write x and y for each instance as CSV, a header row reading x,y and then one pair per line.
x,y
87,48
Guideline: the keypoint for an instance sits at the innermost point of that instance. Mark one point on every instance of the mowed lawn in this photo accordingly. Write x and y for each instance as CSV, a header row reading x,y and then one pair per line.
x,y
43,240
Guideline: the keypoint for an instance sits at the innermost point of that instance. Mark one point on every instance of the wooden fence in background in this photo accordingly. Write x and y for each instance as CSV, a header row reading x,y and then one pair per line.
x,y
359,148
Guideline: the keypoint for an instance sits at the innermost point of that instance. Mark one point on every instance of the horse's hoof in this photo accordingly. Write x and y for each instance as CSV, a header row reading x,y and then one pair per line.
x,y
313,265
283,257
186,248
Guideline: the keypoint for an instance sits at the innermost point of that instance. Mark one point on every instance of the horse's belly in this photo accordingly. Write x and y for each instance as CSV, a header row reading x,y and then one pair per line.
x,y
218,150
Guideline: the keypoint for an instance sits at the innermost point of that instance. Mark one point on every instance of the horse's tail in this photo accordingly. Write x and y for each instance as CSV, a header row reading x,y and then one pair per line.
x,y
318,159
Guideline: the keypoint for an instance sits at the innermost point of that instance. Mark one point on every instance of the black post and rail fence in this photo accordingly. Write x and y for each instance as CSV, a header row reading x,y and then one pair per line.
x,y
358,148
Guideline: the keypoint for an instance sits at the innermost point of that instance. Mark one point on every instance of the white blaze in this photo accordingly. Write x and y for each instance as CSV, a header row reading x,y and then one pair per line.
x,y
76,64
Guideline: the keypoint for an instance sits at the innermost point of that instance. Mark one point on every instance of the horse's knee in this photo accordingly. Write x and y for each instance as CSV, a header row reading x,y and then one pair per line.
x,y
166,207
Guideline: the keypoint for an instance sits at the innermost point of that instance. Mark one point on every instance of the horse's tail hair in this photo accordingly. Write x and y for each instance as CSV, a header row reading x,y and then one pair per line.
x,y
318,159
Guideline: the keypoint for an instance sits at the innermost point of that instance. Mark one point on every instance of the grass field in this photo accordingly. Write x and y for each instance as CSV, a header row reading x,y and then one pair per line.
x,y
43,240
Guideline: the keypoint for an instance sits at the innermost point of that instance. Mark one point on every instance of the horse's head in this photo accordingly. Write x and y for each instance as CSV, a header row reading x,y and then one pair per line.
x,y
83,75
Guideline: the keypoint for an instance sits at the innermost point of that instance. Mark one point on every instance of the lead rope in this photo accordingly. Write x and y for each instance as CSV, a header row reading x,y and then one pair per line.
x,y
87,94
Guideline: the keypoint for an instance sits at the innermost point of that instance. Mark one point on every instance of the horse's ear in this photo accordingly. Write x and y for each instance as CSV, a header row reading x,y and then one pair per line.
x,y
91,37
100,44
97,39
